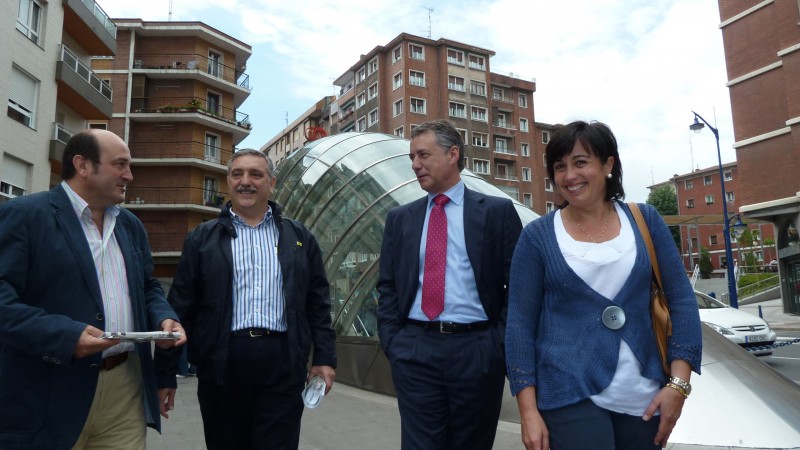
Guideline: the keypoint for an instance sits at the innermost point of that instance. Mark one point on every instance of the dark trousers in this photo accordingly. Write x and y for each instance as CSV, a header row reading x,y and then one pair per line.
x,y
256,408
449,387
585,425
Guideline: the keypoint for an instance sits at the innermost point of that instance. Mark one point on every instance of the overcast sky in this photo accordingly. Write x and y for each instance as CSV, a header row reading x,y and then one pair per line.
x,y
641,66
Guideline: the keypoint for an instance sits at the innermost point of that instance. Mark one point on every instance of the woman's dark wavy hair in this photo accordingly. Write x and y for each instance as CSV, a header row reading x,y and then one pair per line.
x,y
597,139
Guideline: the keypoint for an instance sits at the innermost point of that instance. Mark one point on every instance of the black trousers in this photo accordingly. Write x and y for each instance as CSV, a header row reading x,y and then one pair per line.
x,y
449,387
585,425
256,408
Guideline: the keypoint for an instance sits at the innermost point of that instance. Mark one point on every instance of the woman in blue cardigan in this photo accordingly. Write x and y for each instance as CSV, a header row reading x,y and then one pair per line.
x,y
581,353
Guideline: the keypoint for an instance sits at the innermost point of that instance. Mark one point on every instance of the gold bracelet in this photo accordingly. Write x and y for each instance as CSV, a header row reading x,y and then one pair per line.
x,y
681,383
679,389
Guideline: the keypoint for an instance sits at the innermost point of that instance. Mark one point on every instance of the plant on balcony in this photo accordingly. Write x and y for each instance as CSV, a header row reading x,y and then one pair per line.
x,y
194,105
167,108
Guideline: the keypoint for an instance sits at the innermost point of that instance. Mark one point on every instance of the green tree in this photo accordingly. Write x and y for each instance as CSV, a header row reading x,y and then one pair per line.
x,y
705,264
664,199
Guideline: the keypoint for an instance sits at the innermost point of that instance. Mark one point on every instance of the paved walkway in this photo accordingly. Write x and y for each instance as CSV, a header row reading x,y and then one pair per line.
x,y
772,312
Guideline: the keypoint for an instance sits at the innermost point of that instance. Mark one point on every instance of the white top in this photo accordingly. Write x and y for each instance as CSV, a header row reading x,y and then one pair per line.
x,y
605,268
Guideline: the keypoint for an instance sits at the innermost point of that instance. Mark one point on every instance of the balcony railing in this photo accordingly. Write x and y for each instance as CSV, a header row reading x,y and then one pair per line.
x,y
499,98
504,124
61,133
71,60
193,62
507,177
101,16
174,196
171,105
197,150
505,151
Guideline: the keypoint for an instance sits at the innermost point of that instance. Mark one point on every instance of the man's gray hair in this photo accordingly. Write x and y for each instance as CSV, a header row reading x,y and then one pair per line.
x,y
447,136
253,152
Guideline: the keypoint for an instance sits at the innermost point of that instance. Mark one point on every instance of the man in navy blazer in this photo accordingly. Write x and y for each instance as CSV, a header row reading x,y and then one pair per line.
x,y
447,363
72,265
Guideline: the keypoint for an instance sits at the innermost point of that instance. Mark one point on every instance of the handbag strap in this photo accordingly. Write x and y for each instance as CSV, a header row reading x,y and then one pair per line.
x,y
648,241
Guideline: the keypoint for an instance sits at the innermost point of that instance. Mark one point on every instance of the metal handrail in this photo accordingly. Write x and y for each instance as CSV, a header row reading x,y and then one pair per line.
x,y
192,62
71,60
101,15
190,105
61,133
192,149
174,196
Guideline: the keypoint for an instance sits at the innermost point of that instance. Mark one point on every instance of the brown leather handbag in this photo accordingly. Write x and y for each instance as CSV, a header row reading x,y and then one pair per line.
x,y
659,307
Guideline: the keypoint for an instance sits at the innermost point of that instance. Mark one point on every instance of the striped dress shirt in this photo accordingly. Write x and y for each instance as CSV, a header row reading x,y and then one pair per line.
x,y
258,300
110,267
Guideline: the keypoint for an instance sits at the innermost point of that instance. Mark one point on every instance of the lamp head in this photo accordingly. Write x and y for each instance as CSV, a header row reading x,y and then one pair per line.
x,y
697,126
738,228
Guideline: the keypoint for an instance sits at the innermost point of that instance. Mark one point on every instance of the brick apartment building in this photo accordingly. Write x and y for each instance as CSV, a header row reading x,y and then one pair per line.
x,y
762,53
181,85
698,194
414,79
50,89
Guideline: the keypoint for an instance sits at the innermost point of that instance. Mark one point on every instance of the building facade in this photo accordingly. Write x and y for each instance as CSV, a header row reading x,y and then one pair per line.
x,y
181,85
412,79
49,86
313,124
762,53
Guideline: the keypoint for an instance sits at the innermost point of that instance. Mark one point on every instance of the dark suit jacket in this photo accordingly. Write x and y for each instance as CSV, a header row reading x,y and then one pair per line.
x,y
491,229
202,295
49,292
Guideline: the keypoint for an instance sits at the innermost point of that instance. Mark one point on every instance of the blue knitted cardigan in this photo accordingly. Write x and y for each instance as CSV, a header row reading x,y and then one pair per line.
x,y
555,338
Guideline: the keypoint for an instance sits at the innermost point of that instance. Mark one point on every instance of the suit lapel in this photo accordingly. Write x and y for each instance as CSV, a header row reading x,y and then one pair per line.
x,y
73,234
474,225
415,218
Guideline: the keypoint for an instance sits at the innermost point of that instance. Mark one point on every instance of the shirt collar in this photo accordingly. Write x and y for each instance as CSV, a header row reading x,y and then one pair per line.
x,y
455,194
81,207
239,221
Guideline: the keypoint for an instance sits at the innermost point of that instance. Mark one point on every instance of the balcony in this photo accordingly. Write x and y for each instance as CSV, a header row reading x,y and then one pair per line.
x,y
196,66
197,154
58,141
506,177
81,89
169,198
502,99
87,23
505,151
191,109
504,127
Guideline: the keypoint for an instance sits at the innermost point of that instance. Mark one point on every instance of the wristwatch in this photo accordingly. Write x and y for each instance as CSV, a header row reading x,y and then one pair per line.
x,y
683,384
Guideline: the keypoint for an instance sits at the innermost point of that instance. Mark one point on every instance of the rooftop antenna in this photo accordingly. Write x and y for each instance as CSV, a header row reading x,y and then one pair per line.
x,y
170,11
691,152
430,11
286,118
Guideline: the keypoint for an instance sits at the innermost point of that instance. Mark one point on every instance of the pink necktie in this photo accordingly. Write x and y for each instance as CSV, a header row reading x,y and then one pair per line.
x,y
435,260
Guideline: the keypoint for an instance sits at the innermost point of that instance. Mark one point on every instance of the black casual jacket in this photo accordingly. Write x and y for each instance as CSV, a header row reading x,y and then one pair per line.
x,y
202,296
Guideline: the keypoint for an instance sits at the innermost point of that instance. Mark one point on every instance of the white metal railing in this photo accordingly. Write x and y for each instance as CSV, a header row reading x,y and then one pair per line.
x,y
101,16
71,60
695,274
61,133
507,177
505,151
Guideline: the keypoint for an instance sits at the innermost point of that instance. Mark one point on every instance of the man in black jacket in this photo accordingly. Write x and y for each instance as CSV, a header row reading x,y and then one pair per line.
x,y
251,290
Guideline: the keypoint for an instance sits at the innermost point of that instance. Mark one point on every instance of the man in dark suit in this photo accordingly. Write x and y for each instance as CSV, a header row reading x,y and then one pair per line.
x,y
252,286
441,315
73,264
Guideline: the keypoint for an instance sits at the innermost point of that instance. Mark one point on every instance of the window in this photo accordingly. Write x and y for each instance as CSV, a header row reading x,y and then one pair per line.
x,y
399,132
729,197
416,78
545,137
29,19
728,175
527,200
463,134
549,206
416,51
502,172
458,110
455,57
712,240
478,113
707,180
480,166
476,62
372,67
212,148
398,107
690,203
455,83
688,184
501,120
373,117
548,185
361,99
709,199
501,145
417,105
397,54
98,126
14,175
210,191
361,75
214,64
526,149
526,174
477,88
397,81
23,91
480,139
498,94
372,91
361,124
523,101
523,124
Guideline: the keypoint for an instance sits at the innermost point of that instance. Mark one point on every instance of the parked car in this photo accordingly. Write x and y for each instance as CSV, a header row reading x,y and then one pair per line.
x,y
740,327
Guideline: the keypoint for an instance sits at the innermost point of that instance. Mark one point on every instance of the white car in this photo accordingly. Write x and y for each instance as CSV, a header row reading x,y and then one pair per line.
x,y
740,327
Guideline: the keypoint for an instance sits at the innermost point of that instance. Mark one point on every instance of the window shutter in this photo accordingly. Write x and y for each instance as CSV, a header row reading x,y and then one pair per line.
x,y
22,89
13,171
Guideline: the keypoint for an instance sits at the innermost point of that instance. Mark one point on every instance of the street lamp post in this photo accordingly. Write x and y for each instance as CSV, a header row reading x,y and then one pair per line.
x,y
696,127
